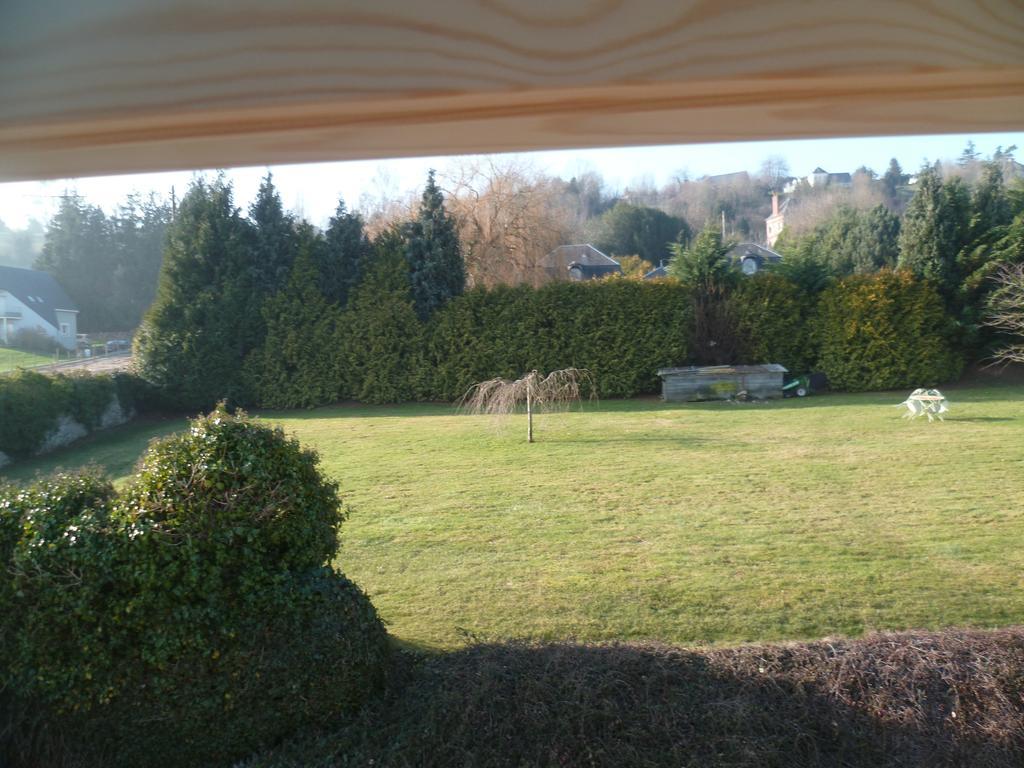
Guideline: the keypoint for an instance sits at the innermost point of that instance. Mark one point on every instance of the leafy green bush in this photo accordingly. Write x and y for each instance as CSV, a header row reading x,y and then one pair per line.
x,y
885,331
253,498
193,616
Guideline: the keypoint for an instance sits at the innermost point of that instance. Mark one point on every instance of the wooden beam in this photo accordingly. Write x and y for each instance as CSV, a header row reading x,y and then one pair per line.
x,y
113,86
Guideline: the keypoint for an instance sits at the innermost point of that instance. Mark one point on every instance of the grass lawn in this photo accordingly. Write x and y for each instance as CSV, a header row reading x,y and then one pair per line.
x,y
689,524
16,358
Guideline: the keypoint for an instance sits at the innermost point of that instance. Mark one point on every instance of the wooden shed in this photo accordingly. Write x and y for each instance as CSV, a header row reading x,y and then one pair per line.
x,y
721,382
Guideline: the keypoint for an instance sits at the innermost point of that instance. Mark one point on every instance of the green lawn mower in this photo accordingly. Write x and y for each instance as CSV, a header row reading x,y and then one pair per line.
x,y
802,386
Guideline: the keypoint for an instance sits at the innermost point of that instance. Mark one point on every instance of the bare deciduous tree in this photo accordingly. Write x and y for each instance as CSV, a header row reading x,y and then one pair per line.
x,y
510,217
383,205
774,172
501,397
1006,312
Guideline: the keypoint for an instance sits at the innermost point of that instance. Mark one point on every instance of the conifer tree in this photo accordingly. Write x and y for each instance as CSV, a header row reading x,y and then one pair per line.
x,y
707,269
989,202
436,268
862,242
138,231
935,229
381,334
79,252
893,179
705,264
197,333
274,244
345,256
298,365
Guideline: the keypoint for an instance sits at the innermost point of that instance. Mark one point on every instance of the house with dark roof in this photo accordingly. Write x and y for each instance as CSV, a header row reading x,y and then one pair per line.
x,y
822,178
751,258
579,262
33,300
724,179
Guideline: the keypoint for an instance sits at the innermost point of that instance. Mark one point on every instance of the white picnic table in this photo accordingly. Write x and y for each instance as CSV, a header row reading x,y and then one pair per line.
x,y
926,402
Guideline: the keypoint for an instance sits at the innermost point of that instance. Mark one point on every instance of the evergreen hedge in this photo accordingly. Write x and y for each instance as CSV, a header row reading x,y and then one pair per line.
x,y
31,404
881,331
775,320
885,331
622,331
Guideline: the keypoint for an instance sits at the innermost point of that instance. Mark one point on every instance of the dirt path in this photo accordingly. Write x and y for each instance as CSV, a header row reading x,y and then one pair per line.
x,y
106,364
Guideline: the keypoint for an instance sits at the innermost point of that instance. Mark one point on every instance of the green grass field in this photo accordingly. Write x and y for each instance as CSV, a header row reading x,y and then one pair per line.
x,y
16,358
689,524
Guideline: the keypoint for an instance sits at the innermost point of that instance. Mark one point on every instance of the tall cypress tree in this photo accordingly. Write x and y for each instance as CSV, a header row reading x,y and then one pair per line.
x,y
381,334
935,229
704,265
990,204
298,365
79,252
138,229
437,271
893,179
345,257
197,333
274,244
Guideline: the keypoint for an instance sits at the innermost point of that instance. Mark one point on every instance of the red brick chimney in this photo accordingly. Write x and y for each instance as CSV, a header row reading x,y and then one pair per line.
x,y
775,203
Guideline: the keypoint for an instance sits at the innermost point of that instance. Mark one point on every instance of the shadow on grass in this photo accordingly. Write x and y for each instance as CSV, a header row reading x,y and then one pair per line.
x,y
908,699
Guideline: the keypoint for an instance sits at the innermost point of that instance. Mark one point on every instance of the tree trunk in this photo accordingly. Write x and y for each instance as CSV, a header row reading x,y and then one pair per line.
x,y
529,415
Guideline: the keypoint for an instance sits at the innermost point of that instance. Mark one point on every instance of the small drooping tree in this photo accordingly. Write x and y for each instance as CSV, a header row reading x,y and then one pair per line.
x,y
1006,312
557,390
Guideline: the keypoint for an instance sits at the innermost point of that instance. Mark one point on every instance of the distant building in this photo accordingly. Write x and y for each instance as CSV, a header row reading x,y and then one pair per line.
x,y
775,223
727,178
818,178
822,178
751,258
579,262
32,300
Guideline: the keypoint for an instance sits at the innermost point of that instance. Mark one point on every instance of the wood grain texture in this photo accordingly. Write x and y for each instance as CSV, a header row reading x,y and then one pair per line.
x,y
129,85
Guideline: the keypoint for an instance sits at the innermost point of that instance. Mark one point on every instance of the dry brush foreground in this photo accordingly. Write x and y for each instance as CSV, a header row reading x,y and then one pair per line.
x,y
901,700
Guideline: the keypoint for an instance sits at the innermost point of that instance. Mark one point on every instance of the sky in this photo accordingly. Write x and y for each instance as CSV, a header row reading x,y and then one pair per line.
x,y
313,190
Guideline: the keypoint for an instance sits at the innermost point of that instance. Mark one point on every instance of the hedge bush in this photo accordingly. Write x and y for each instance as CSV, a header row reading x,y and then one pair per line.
x,y
32,403
885,331
380,338
774,319
877,331
622,331
193,616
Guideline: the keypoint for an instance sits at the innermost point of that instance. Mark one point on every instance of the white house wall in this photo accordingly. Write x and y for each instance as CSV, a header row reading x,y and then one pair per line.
x,y
31,319
70,318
